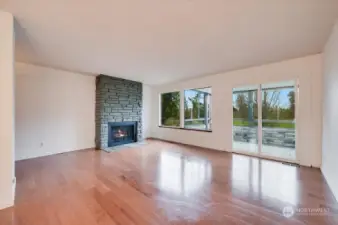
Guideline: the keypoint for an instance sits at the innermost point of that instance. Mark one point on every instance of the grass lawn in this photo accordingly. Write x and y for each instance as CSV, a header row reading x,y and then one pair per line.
x,y
172,122
242,123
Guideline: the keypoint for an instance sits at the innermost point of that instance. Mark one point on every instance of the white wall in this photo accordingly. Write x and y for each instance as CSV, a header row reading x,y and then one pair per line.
x,y
146,110
330,112
6,110
307,70
55,111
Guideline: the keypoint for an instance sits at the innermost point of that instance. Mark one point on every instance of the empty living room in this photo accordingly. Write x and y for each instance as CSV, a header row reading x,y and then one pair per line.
x,y
148,112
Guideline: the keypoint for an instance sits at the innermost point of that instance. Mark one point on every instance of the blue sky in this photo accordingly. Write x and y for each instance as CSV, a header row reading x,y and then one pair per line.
x,y
283,97
190,94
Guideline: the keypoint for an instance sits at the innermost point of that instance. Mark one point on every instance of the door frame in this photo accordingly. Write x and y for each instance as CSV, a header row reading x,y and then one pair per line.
x,y
260,127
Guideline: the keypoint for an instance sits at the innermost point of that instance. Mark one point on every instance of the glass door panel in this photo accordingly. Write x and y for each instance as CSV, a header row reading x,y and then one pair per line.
x,y
278,121
245,116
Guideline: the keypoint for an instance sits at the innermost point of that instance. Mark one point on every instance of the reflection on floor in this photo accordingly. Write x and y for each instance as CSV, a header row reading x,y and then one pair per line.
x,y
274,151
255,174
165,183
182,176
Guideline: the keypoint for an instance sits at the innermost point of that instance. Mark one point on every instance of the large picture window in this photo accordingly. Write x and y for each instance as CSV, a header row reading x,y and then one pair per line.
x,y
170,109
197,109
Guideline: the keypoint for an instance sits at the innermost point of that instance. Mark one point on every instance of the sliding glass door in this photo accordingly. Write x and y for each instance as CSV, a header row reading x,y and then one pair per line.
x,y
264,120
278,121
245,115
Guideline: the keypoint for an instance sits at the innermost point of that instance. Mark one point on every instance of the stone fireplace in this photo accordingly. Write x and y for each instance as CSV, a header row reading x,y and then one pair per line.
x,y
118,111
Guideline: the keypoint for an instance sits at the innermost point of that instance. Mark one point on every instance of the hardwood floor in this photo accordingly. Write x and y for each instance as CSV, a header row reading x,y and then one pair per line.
x,y
165,183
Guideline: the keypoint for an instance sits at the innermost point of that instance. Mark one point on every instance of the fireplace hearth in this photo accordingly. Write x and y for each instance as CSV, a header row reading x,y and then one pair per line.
x,y
120,133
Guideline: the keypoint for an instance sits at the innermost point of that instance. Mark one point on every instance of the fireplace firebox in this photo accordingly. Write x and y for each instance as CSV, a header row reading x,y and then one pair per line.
x,y
120,133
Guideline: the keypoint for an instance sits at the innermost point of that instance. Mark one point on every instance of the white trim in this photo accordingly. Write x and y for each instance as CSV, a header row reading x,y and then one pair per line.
x,y
296,87
282,84
160,109
14,187
259,122
182,108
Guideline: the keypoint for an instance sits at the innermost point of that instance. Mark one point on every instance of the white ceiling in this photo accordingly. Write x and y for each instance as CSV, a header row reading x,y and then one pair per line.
x,y
159,41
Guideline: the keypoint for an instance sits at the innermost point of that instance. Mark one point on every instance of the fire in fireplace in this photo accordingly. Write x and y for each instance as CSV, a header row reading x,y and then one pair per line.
x,y
121,133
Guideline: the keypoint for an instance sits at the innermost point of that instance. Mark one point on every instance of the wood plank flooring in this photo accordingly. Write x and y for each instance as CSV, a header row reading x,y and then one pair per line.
x,y
165,183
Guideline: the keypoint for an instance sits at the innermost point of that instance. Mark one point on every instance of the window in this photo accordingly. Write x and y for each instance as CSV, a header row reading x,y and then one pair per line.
x,y
170,109
197,109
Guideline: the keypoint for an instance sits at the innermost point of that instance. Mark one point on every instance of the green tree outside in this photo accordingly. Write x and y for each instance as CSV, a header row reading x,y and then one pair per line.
x,y
170,109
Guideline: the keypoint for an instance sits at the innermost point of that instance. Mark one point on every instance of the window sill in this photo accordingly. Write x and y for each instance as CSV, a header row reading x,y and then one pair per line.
x,y
189,129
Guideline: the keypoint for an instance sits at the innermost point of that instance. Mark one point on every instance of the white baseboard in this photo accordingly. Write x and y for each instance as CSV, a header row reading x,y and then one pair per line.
x,y
42,154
